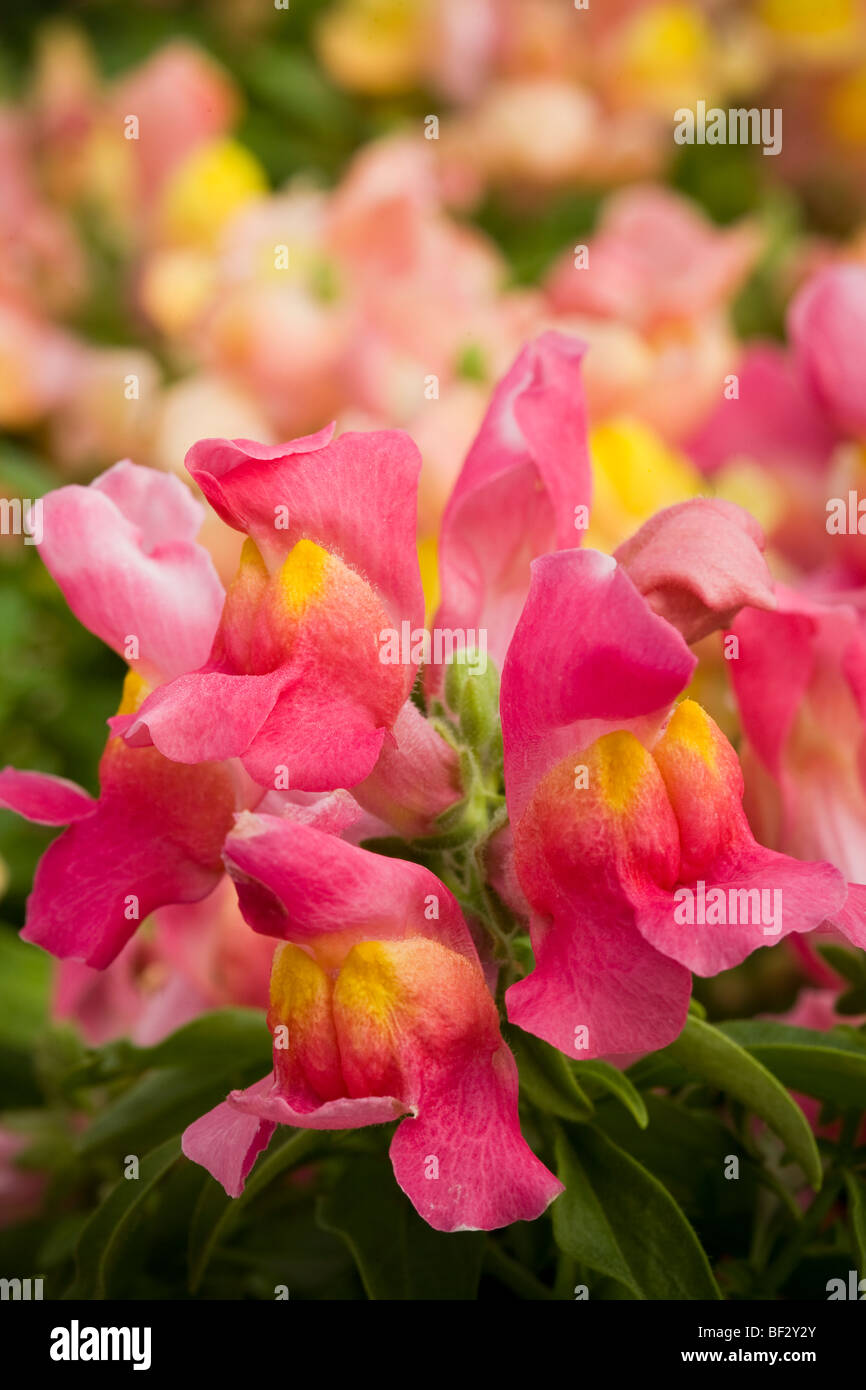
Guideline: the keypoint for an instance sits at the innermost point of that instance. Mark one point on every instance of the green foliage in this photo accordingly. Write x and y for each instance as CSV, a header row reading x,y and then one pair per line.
x,y
618,1220
398,1255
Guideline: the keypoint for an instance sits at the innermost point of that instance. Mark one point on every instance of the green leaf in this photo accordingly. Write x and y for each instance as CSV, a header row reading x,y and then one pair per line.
x,y
714,1056
853,1001
857,1212
25,975
101,1243
158,1105
688,1150
618,1220
397,1254
829,1066
224,1037
546,1078
216,1214
603,1076
291,83
183,1076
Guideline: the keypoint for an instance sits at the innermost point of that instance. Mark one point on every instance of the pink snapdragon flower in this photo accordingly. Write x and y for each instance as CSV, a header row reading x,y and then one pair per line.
x,y
182,100
800,685
379,1009
296,685
624,817
525,489
123,552
519,490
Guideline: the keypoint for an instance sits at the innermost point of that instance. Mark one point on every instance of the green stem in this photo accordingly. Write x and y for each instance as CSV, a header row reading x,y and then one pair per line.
x,y
783,1267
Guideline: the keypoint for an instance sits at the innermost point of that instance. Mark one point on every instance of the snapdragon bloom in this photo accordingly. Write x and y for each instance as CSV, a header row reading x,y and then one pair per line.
x,y
295,685
800,685
124,554
379,1010
526,489
626,820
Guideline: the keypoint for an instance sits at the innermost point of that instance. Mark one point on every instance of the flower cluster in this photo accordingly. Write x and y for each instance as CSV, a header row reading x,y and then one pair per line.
x,y
419,856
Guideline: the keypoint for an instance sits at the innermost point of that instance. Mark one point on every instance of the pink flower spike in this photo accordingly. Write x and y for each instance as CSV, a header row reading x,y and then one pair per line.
x,y
518,493
698,563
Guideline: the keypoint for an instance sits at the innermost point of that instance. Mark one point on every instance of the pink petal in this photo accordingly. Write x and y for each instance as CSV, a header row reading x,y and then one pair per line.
x,y
122,551
154,838
415,778
355,496
704,782
775,420
595,971
486,1175
698,563
40,797
295,882
850,919
525,474
227,1142
827,324
808,893
655,258
347,1112
607,660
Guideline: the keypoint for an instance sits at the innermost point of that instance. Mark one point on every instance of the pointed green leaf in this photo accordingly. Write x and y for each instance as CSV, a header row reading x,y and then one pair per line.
x,y
829,1066
101,1242
617,1219
604,1076
714,1056
216,1214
